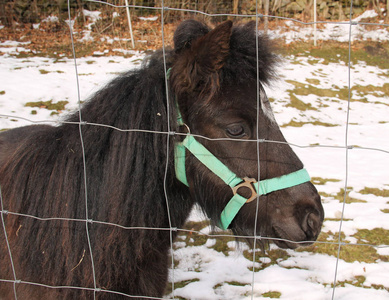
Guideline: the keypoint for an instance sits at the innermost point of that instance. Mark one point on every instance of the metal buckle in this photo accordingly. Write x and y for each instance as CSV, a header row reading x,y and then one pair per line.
x,y
248,183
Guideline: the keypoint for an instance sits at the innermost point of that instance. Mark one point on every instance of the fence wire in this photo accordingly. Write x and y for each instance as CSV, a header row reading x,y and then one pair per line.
x,y
346,147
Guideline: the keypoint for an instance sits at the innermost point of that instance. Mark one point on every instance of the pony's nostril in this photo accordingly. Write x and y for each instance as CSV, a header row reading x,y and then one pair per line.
x,y
311,221
312,225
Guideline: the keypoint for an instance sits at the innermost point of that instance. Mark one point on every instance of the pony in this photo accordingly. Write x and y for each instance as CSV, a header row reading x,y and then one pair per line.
x,y
90,207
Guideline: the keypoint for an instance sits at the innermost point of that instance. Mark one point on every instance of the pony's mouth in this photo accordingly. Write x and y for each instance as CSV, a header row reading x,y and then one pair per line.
x,y
285,240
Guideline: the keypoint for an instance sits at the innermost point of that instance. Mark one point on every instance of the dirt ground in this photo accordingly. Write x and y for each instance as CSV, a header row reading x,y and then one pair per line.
x,y
53,39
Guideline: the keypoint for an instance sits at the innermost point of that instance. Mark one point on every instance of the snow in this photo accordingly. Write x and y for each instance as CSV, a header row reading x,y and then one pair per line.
x,y
303,275
366,15
51,19
337,31
148,18
94,16
70,23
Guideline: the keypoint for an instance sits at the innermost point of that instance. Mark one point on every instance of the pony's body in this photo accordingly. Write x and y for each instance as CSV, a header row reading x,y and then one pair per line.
x,y
129,175
124,259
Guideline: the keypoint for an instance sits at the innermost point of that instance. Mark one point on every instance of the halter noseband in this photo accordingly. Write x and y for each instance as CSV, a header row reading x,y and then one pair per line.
x,y
230,178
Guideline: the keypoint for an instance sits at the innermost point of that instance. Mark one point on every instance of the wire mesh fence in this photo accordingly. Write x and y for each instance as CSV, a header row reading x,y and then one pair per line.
x,y
168,11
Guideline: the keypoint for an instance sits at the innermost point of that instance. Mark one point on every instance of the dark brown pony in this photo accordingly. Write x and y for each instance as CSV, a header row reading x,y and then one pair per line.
x,y
118,177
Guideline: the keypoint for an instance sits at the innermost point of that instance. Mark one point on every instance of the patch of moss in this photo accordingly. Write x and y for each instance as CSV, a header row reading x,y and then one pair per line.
x,y
47,72
322,181
337,219
255,269
328,243
298,104
178,285
194,238
58,106
374,54
375,191
233,283
359,253
43,72
313,81
385,210
272,294
358,281
184,283
25,54
236,283
325,195
303,89
341,195
2,92
377,91
196,226
379,287
275,255
314,61
221,244
376,236
295,123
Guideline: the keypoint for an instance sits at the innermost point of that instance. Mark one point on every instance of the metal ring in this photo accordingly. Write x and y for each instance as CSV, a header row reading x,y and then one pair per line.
x,y
248,183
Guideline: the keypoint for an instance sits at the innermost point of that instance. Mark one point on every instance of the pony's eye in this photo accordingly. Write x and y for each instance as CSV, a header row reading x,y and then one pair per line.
x,y
236,131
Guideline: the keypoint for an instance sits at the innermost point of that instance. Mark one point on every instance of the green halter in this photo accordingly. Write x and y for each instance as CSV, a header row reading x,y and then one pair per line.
x,y
218,168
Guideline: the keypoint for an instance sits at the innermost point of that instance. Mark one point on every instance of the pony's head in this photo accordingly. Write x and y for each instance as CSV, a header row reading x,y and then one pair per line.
x,y
216,80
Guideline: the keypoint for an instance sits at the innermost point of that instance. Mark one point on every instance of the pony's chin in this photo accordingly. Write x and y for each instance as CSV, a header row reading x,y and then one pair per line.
x,y
286,244
289,241
292,245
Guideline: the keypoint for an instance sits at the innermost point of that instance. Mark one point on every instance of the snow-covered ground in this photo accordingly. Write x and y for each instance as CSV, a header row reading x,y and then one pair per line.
x,y
207,273
337,31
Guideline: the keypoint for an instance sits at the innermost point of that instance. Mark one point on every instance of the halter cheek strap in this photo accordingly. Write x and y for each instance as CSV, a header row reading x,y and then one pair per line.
x,y
231,179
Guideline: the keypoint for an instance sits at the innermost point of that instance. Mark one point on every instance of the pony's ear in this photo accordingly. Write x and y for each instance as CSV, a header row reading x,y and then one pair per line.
x,y
197,63
211,50
187,32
